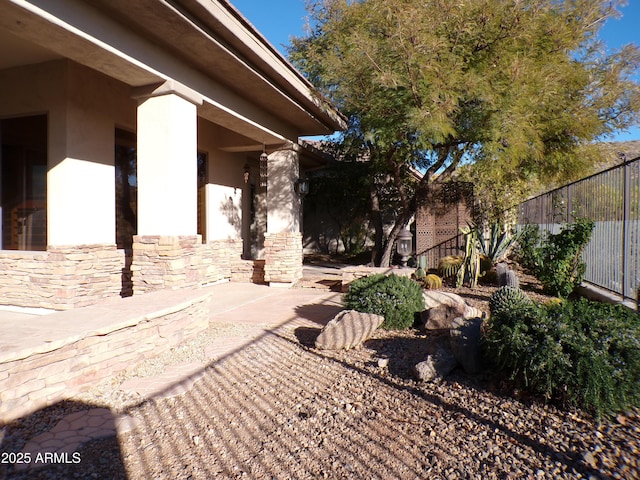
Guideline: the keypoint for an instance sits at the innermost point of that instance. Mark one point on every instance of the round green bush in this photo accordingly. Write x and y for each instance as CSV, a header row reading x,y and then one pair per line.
x,y
396,298
584,354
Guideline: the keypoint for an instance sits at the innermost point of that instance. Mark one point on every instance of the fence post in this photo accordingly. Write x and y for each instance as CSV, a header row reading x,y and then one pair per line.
x,y
569,188
626,218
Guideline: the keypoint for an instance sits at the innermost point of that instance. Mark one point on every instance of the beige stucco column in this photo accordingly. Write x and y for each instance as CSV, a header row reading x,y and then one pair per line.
x,y
80,180
283,240
167,151
165,250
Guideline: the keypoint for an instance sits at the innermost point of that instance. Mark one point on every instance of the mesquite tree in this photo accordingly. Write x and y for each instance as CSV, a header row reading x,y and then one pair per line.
x,y
517,85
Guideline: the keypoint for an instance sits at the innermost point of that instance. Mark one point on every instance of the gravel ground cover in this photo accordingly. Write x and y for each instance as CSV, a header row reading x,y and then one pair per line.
x,y
279,409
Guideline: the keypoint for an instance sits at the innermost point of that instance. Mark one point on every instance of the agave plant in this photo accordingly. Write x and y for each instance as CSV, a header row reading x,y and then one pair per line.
x,y
495,246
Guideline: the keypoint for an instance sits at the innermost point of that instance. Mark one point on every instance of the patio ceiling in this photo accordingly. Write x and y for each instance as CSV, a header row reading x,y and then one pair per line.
x,y
207,45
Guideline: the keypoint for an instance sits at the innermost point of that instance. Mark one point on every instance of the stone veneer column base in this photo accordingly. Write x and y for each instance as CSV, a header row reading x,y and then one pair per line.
x,y
167,262
282,258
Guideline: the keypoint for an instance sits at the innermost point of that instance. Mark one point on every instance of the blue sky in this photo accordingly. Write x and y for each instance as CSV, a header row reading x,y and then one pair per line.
x,y
279,20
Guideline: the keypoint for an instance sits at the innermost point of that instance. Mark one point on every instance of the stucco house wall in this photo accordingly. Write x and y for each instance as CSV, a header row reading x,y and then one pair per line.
x,y
187,79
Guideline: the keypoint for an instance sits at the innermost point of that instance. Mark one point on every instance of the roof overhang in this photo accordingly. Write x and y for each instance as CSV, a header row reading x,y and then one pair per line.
x,y
206,45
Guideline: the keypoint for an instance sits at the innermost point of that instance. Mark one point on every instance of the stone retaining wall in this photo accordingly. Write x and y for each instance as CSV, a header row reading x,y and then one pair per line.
x,y
349,274
283,257
44,373
61,278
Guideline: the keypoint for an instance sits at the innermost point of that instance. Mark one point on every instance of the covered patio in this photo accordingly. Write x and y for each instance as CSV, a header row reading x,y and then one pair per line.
x,y
147,146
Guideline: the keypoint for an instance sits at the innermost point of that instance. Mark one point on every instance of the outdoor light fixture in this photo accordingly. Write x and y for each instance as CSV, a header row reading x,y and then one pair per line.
x,y
403,246
245,173
301,186
263,168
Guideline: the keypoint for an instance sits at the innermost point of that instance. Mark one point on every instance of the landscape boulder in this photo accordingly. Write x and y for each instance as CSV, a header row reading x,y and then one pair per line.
x,y
434,298
348,329
436,366
441,316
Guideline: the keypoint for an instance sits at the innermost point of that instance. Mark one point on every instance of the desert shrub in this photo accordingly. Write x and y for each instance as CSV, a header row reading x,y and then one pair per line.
x,y
499,240
527,249
584,354
396,298
561,268
555,259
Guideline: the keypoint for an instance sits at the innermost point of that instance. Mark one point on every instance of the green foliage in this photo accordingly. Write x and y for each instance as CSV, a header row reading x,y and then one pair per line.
x,y
396,298
555,259
585,354
527,249
561,269
517,88
506,299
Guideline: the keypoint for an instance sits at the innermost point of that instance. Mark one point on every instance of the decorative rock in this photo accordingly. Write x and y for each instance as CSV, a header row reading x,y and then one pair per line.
x,y
433,298
465,335
436,366
440,317
473,312
348,329
383,362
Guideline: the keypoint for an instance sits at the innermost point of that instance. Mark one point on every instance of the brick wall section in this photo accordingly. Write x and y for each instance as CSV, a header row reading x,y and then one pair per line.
x,y
45,373
283,257
349,274
61,278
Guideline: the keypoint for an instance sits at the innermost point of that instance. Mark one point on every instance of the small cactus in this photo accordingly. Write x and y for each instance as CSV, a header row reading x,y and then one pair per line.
x,y
432,282
506,299
501,271
506,276
448,266
511,279
419,274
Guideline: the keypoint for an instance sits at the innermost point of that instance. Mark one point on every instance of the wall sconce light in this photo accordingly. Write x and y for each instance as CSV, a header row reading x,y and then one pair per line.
x,y
245,173
301,186
403,246
263,168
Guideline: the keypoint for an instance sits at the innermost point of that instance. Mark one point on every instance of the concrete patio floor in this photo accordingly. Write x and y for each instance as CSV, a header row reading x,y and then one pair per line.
x,y
264,307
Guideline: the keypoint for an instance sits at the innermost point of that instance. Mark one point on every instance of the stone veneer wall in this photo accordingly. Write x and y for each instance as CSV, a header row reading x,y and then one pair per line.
x,y
349,274
169,263
248,271
45,373
61,278
283,257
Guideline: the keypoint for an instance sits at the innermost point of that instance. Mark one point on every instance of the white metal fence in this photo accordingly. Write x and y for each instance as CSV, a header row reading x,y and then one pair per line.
x,y
612,200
